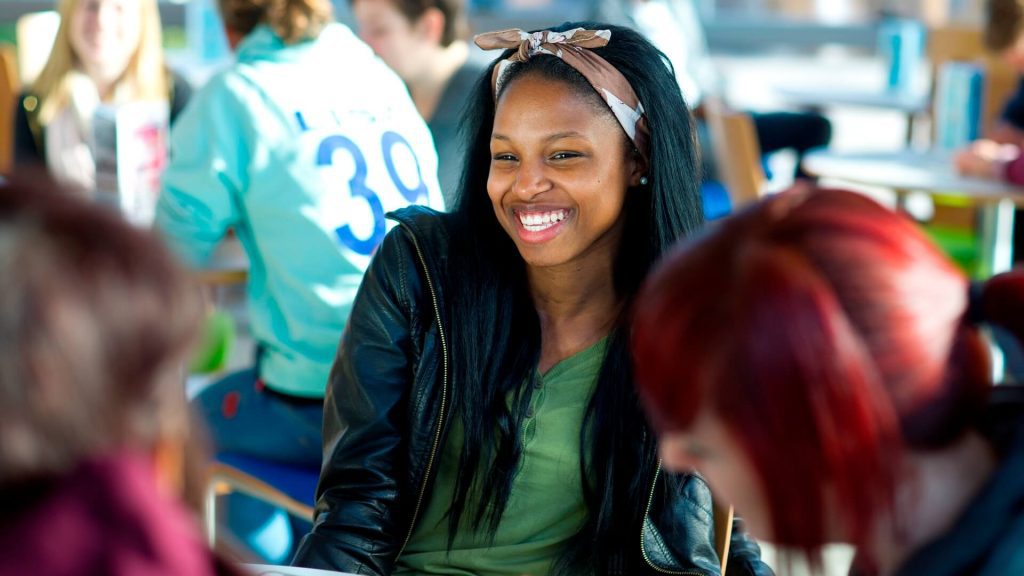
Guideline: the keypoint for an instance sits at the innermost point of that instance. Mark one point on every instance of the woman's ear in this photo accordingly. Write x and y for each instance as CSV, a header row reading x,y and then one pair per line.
x,y
638,175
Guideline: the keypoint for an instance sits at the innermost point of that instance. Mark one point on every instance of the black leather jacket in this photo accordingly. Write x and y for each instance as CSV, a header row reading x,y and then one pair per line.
x,y
387,403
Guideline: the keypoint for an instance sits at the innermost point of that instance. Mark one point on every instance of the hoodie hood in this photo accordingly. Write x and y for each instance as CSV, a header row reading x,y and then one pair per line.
x,y
336,40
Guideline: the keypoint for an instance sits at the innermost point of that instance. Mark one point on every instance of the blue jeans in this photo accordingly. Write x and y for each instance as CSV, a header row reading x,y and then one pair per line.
x,y
244,417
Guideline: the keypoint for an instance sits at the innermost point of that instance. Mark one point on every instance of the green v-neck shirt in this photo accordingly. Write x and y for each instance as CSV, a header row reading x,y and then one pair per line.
x,y
545,507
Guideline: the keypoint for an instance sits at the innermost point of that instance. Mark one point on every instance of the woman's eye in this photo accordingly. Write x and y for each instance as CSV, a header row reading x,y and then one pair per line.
x,y
565,155
503,157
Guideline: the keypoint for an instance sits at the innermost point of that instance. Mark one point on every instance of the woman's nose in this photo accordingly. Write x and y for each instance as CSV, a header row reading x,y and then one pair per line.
x,y
531,179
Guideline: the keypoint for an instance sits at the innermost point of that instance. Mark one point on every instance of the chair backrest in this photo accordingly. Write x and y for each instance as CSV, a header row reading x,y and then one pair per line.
x,y
736,151
35,33
965,43
10,86
289,487
1000,82
723,532
948,43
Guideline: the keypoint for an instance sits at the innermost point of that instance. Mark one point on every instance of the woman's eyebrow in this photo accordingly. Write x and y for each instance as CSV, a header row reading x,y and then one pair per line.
x,y
563,135
550,138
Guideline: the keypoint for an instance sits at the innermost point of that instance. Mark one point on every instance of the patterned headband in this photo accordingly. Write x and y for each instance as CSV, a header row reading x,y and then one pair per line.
x,y
574,48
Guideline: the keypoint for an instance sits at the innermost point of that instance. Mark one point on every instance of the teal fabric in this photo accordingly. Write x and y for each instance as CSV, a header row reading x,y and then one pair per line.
x,y
301,150
546,505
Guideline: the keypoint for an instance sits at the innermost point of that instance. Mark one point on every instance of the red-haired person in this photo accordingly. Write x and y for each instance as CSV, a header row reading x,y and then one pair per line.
x,y
821,364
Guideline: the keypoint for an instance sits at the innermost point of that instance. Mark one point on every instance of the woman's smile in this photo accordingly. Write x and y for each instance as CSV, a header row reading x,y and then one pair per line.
x,y
536,225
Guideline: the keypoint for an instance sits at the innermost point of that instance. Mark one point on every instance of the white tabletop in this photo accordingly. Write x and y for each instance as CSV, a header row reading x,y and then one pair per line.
x,y
823,97
907,170
267,570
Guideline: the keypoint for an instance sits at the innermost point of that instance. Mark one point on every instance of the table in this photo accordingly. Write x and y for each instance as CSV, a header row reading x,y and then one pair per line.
x,y
824,97
268,570
911,105
932,172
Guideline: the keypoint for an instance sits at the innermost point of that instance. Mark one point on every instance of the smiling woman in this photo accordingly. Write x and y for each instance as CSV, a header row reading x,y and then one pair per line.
x,y
560,169
481,416
105,52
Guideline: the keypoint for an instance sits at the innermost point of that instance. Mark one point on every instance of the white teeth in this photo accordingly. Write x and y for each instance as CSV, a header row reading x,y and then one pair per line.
x,y
537,221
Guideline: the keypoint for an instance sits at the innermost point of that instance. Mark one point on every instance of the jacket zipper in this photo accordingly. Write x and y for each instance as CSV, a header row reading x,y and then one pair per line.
x,y
444,392
647,512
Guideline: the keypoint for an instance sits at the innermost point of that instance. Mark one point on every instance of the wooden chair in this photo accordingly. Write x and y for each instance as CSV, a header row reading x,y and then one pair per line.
x,y
227,267
10,86
956,42
736,151
291,488
723,516
1000,82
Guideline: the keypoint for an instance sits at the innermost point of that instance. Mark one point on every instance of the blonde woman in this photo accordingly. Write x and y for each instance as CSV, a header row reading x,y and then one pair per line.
x,y
301,147
106,51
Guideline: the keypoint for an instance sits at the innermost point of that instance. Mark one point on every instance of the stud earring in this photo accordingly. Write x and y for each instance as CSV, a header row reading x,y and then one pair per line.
x,y
644,180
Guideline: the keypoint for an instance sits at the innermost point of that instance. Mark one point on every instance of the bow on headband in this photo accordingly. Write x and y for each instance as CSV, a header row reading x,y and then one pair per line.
x,y
529,44
574,47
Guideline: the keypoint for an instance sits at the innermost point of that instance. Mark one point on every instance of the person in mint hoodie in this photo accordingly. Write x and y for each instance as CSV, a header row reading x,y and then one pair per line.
x,y
301,147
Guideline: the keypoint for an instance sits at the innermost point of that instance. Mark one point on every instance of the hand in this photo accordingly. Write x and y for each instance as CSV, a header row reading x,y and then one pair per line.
x,y
985,159
969,163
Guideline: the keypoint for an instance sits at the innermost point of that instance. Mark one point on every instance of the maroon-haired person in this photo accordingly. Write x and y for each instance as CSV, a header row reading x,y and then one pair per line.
x,y
101,470
820,362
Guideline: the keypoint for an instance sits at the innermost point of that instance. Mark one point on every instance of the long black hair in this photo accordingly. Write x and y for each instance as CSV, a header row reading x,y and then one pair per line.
x,y
494,324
